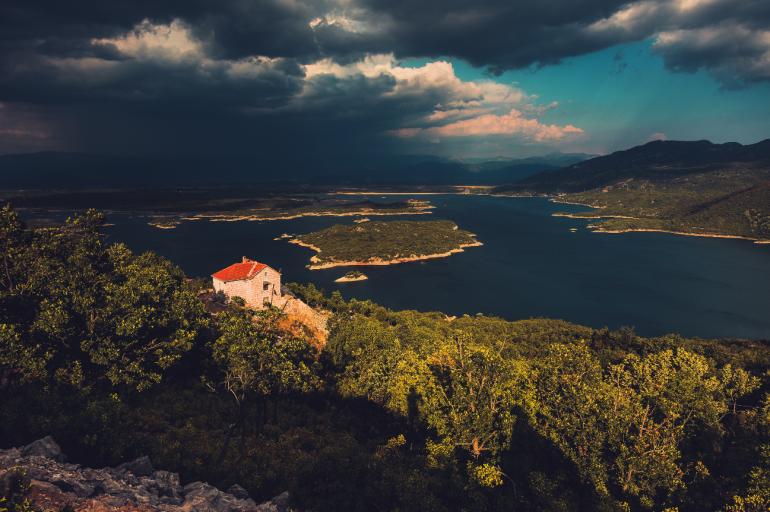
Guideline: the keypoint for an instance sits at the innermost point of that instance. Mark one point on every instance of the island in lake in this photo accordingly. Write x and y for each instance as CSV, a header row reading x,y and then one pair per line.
x,y
352,276
384,243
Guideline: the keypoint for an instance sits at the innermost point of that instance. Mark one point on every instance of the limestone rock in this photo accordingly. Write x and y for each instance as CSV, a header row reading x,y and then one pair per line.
x,y
202,497
45,447
278,504
52,484
238,491
139,467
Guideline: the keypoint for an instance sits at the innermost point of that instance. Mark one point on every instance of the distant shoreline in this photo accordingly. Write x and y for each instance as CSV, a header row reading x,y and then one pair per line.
x,y
555,199
594,228
314,265
454,190
681,233
591,217
371,193
215,217
222,218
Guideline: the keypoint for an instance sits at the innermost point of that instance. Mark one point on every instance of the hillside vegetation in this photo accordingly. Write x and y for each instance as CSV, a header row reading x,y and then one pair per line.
x,y
116,356
691,187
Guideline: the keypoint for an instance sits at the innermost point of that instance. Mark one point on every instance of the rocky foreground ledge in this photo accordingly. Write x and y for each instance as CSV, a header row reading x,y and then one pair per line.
x,y
39,473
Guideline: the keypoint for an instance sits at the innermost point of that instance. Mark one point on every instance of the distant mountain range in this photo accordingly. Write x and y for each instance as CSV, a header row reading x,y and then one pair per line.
x,y
76,170
549,160
689,187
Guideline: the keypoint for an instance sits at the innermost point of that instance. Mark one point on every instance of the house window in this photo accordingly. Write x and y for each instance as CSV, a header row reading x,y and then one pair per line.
x,y
266,301
266,285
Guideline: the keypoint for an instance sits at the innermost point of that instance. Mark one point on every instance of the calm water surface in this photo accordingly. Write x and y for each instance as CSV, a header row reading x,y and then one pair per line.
x,y
531,265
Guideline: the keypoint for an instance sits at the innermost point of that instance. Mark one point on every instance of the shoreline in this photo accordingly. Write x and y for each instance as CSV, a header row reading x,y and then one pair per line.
x,y
345,279
596,228
760,241
252,218
579,216
463,190
423,210
555,199
161,225
371,193
175,220
315,265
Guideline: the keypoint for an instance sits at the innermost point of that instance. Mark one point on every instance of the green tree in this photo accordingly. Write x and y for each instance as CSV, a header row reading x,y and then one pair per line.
x,y
256,357
757,494
476,393
147,319
566,406
624,427
737,383
12,240
77,312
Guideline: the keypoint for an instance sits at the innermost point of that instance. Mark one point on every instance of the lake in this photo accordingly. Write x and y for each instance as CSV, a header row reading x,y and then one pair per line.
x,y
531,265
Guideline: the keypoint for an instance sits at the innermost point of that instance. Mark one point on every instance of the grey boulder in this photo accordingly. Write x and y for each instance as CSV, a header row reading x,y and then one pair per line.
x,y
45,447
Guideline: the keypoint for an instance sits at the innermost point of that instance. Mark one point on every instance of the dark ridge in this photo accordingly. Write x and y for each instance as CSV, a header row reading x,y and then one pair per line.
x,y
656,160
46,170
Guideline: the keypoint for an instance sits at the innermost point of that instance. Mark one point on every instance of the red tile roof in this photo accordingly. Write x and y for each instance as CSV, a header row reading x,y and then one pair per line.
x,y
237,271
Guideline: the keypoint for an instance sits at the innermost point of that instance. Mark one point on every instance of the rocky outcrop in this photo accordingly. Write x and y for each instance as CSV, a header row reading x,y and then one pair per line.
x,y
314,320
38,472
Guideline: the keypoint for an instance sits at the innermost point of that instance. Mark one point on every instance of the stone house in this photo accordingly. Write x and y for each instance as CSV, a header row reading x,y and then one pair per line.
x,y
256,283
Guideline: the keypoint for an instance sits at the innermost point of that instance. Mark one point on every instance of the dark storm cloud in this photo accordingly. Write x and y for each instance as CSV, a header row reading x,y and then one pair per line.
x,y
223,73
25,128
496,33
336,116
156,84
733,54
63,68
234,28
169,84
247,60
501,34
275,28
730,40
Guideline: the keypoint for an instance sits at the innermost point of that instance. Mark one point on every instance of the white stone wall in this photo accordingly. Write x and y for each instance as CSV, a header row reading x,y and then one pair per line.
x,y
253,290
272,279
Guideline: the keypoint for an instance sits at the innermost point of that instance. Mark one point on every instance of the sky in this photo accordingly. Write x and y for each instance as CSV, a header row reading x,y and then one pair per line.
x,y
326,79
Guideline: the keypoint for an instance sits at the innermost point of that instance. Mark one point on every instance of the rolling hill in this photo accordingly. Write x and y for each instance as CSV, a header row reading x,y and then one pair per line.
x,y
689,187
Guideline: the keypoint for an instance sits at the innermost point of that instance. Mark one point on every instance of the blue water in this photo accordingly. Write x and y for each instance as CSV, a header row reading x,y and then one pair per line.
x,y
531,265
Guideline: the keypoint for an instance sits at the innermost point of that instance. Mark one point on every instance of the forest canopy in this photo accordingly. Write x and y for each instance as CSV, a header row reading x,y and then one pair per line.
x,y
119,354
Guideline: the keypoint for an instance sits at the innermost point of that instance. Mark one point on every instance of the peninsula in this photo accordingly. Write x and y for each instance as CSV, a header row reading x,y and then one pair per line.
x,y
168,208
686,188
323,209
327,208
384,243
